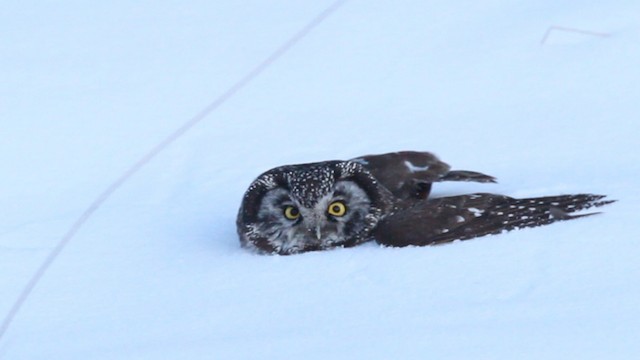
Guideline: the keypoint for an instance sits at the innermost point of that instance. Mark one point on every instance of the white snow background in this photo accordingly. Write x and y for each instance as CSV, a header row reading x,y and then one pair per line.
x,y
87,88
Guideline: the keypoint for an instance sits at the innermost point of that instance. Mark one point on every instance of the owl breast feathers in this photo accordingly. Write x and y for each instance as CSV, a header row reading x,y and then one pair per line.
x,y
385,198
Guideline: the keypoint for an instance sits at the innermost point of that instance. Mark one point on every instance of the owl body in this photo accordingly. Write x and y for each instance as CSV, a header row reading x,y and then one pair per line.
x,y
317,206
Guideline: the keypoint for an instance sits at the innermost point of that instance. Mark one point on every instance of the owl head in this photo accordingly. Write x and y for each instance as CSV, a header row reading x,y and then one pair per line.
x,y
307,207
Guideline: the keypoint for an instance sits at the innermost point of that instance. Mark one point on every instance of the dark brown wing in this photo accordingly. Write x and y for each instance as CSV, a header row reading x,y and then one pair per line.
x,y
464,217
409,174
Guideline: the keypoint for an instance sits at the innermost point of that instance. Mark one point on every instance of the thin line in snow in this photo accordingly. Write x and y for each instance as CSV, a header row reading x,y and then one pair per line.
x,y
573,30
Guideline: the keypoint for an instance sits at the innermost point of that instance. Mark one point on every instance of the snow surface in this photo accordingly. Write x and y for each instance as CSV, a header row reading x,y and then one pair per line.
x,y
88,88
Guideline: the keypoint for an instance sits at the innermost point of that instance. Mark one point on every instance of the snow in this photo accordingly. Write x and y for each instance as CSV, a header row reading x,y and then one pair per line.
x,y
88,89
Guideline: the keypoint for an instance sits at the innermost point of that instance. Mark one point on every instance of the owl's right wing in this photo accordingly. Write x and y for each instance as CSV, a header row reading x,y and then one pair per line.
x,y
409,174
464,217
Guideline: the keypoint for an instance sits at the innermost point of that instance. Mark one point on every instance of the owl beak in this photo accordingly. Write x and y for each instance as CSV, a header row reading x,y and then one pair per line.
x,y
315,230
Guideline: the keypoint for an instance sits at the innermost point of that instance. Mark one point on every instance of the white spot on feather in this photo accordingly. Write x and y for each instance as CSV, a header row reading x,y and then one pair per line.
x,y
476,212
412,168
360,161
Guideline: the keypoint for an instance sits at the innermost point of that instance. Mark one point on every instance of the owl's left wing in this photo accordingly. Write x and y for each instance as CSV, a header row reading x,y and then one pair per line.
x,y
464,217
410,174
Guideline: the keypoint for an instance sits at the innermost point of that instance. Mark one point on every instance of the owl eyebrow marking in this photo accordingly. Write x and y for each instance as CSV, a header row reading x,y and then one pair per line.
x,y
153,152
339,194
283,199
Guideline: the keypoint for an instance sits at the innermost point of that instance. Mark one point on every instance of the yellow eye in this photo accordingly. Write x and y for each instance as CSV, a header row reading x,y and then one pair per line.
x,y
337,208
291,212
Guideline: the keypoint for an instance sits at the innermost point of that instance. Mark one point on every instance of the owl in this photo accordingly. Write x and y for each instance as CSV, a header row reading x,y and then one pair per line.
x,y
384,198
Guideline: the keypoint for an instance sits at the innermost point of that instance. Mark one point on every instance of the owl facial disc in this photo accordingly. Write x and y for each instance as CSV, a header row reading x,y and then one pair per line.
x,y
310,207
